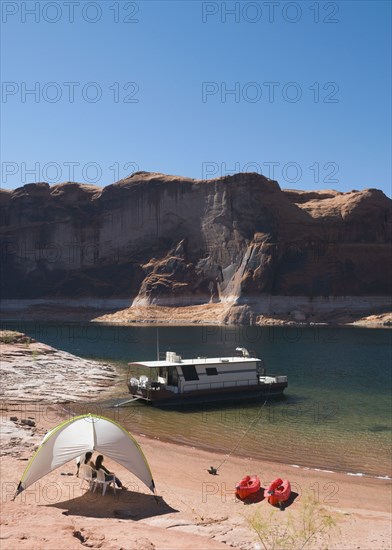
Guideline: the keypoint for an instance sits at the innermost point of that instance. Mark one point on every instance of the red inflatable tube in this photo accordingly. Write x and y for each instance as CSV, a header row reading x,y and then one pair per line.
x,y
278,491
247,486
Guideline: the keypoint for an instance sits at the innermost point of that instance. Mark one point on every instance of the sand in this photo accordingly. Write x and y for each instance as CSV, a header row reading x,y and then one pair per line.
x,y
193,509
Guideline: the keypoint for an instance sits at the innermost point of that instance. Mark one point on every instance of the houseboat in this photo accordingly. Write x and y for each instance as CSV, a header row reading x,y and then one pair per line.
x,y
177,381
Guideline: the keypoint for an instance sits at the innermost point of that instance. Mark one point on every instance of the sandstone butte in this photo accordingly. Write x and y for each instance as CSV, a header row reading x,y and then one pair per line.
x,y
237,249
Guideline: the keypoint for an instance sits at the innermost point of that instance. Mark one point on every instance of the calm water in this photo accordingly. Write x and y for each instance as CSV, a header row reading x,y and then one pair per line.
x,y
337,410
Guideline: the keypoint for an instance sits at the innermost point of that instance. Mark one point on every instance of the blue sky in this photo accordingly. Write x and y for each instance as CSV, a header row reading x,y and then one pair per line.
x,y
125,86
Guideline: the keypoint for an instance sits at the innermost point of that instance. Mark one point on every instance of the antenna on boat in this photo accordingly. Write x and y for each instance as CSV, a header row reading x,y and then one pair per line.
x,y
157,344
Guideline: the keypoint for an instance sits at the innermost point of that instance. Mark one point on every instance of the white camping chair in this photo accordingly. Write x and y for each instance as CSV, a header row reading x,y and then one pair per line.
x,y
134,382
143,381
86,475
101,479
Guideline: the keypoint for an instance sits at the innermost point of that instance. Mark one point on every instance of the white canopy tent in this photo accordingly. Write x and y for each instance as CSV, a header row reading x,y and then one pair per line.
x,y
80,435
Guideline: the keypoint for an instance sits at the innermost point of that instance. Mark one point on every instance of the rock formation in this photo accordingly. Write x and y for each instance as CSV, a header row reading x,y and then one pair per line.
x,y
167,240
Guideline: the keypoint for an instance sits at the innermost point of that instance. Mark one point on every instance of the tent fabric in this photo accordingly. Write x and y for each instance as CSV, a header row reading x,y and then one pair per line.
x,y
79,435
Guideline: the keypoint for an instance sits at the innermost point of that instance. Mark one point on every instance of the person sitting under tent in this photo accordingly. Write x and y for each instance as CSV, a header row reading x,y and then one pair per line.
x,y
69,439
109,476
89,462
79,461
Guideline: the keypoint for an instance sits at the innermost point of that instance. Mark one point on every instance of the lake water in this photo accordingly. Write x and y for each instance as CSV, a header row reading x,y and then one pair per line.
x,y
336,414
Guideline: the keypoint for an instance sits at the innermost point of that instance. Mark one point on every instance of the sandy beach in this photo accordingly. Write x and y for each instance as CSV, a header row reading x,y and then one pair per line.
x,y
193,509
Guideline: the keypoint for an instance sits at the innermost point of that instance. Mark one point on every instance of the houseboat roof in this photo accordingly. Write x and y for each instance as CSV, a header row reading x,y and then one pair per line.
x,y
197,361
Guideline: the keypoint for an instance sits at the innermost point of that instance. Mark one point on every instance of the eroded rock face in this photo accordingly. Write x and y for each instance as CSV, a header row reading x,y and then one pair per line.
x,y
161,239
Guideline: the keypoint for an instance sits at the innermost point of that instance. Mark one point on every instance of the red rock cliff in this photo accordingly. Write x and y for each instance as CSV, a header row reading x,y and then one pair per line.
x,y
172,240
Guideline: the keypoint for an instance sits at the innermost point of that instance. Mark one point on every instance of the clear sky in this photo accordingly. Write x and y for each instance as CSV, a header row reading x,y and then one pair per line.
x,y
300,91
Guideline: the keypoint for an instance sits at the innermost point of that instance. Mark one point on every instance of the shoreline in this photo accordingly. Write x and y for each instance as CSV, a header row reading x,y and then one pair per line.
x,y
380,321
222,453
296,311
221,456
65,413
68,411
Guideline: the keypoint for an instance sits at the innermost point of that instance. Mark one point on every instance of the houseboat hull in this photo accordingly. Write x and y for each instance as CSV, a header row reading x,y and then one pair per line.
x,y
165,398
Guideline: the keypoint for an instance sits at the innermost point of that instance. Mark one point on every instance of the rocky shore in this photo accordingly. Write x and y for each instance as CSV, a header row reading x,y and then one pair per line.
x,y
33,371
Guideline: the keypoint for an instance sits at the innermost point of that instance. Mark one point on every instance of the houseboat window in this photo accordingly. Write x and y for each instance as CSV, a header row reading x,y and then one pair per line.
x,y
189,372
172,378
211,371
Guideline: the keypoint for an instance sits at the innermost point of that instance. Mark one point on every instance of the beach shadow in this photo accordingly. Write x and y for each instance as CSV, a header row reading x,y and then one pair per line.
x,y
288,502
122,505
253,498
379,428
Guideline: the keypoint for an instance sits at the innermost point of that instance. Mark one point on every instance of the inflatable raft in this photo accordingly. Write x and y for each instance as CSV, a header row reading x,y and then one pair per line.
x,y
247,487
278,492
